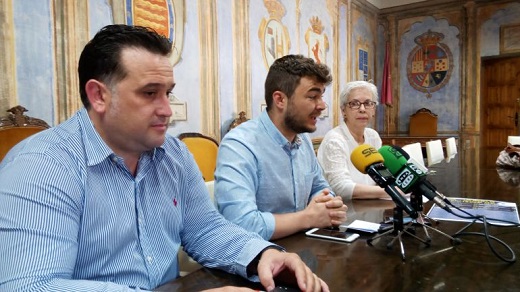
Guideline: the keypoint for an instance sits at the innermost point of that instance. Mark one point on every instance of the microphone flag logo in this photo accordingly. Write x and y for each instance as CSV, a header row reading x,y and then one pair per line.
x,y
416,169
369,151
404,179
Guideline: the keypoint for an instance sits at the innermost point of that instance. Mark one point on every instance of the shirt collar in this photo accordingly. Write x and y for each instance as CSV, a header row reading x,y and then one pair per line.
x,y
96,148
277,135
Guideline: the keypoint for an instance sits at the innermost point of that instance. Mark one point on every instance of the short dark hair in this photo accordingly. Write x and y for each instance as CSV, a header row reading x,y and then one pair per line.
x,y
101,57
285,73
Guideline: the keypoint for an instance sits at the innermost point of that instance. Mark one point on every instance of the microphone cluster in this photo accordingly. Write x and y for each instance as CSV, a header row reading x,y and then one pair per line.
x,y
392,169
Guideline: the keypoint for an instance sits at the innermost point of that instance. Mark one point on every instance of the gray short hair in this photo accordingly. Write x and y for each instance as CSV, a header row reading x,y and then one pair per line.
x,y
355,85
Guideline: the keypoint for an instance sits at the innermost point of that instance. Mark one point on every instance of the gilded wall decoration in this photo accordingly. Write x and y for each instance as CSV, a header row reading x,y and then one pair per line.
x,y
317,41
510,38
273,35
164,16
430,63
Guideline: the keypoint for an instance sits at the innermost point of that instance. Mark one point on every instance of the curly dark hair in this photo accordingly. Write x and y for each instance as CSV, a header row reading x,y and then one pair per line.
x,y
101,57
285,73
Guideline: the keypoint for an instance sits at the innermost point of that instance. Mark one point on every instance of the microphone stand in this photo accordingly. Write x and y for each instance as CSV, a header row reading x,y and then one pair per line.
x,y
417,203
399,227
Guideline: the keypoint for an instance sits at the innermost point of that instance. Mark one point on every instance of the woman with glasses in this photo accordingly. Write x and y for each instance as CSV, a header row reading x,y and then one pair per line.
x,y
358,105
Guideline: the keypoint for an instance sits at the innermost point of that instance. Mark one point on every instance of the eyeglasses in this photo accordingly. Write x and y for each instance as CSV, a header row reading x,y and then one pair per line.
x,y
356,104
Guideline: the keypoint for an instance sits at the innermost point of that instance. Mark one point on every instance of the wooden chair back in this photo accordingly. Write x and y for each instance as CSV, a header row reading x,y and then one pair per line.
x,y
316,142
17,126
239,120
423,123
204,150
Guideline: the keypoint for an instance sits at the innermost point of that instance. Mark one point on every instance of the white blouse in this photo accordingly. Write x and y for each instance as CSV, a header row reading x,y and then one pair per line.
x,y
334,158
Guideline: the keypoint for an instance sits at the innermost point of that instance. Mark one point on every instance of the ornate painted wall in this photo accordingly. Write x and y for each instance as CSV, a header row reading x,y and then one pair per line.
x,y
226,46
468,32
429,72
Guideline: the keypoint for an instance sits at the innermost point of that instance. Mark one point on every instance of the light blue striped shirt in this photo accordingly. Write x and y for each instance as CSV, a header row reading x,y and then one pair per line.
x,y
73,218
260,173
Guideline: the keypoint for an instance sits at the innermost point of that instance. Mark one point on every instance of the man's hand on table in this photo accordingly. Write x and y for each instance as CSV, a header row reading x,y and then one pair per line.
x,y
287,268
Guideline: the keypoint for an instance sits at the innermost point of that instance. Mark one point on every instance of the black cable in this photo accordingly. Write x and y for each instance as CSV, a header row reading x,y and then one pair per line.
x,y
486,234
471,216
488,238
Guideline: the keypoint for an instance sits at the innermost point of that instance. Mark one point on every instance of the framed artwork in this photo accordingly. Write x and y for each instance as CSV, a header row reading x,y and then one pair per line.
x,y
362,64
363,56
510,38
325,112
179,109
263,107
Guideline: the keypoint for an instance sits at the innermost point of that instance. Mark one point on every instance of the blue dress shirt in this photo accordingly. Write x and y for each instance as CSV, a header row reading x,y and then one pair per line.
x,y
70,211
259,172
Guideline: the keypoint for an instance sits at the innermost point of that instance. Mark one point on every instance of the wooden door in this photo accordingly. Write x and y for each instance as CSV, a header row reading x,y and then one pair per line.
x,y
500,99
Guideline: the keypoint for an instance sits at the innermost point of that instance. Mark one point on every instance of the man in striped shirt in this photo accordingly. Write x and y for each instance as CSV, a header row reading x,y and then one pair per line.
x,y
103,201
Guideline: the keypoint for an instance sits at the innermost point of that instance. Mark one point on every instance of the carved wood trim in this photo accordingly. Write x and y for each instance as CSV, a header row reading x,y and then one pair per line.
x,y
17,118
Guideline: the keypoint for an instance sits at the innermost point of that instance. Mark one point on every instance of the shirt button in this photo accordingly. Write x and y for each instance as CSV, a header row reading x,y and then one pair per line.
x,y
149,259
114,159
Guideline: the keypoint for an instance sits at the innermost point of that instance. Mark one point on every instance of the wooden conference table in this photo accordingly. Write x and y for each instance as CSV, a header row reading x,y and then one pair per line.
x,y
442,266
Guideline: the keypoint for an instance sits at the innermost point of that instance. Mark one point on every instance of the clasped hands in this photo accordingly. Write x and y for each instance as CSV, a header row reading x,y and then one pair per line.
x,y
326,210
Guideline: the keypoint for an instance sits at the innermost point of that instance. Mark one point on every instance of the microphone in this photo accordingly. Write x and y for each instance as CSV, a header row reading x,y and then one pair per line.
x,y
389,152
423,169
367,160
409,177
409,158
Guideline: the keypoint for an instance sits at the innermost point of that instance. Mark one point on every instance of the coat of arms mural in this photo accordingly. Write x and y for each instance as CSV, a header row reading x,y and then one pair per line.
x,y
167,17
273,35
430,63
317,41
